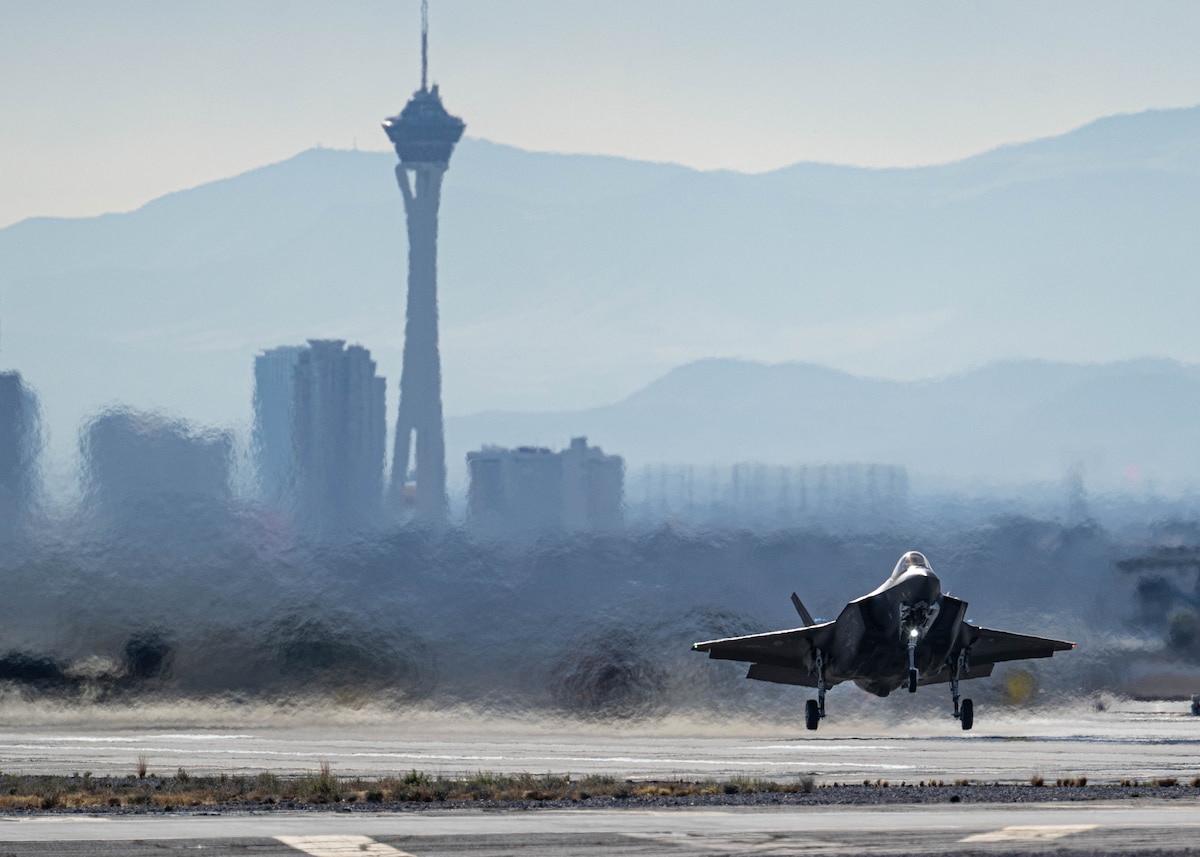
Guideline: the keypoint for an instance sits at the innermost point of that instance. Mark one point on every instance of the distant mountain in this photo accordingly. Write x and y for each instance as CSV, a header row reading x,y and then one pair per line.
x,y
1131,425
569,280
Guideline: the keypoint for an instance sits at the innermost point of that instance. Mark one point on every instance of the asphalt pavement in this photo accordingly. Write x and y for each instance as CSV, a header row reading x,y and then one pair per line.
x,y
993,829
1124,741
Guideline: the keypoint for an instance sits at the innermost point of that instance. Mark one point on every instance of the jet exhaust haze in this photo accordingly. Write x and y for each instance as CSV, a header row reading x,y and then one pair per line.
x,y
210,600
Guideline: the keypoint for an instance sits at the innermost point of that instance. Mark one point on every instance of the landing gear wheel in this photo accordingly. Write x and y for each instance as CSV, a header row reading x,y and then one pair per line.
x,y
812,714
912,681
967,716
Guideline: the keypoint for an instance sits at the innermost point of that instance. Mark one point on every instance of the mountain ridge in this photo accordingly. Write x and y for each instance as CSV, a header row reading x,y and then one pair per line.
x,y
1016,421
571,280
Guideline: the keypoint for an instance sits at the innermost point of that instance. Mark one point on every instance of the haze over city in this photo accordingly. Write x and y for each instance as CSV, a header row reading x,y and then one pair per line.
x,y
760,294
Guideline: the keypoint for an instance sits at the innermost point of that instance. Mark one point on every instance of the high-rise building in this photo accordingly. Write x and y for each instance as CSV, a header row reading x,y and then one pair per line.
x,y
424,135
20,444
320,426
593,487
516,490
274,396
532,489
144,463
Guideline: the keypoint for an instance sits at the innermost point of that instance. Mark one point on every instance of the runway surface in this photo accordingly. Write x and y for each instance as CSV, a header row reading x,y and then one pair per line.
x,y
1139,741
1131,740
992,829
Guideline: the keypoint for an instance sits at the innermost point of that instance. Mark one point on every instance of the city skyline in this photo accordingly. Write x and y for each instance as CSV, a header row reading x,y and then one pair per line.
x,y
192,287
629,287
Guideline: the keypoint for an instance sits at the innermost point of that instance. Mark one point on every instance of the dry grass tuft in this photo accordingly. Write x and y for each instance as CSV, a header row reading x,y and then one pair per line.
x,y
186,790
323,788
20,802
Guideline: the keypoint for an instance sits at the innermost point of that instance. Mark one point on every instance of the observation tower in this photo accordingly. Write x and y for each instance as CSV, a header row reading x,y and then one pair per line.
x,y
424,135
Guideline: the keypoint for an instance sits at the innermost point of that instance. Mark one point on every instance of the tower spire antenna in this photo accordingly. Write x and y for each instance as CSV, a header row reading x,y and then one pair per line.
x,y
424,44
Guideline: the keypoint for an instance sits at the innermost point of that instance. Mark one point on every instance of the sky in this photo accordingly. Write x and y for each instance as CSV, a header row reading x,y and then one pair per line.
x,y
109,105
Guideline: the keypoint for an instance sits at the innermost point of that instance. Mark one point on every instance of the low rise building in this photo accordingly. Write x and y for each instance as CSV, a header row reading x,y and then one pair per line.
x,y
530,489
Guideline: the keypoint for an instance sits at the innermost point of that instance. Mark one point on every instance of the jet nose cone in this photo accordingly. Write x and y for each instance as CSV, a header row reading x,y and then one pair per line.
x,y
931,584
921,584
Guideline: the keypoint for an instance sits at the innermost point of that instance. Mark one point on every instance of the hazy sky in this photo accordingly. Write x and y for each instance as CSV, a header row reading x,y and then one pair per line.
x,y
107,105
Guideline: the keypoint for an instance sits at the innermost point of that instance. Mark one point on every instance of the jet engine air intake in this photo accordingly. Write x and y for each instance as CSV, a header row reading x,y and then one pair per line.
x,y
916,620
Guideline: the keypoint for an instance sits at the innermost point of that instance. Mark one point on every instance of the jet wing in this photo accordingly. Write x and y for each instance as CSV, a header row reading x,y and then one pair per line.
x,y
781,648
991,647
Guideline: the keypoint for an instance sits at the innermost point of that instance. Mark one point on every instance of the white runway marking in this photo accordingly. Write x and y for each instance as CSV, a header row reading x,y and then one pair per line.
x,y
746,843
1029,834
341,846
52,819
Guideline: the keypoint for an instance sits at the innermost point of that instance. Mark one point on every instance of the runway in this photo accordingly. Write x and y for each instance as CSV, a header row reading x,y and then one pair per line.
x,y
1009,829
1132,740
1138,741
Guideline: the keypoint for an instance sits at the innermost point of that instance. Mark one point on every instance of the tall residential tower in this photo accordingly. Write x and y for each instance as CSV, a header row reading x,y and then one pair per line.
x,y
320,430
424,135
20,446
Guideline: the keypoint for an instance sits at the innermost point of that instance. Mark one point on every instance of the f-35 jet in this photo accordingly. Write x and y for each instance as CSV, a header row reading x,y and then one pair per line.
x,y
906,632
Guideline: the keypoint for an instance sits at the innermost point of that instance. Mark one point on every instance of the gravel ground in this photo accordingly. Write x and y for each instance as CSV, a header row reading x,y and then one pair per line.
x,y
857,795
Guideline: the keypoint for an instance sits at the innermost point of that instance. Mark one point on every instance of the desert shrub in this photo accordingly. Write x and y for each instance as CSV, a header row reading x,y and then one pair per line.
x,y
322,787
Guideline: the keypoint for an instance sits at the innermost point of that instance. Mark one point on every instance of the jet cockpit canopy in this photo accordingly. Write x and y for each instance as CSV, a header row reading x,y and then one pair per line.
x,y
912,559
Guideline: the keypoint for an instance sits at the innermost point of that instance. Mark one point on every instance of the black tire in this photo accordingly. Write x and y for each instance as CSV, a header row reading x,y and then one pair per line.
x,y
912,681
812,715
967,714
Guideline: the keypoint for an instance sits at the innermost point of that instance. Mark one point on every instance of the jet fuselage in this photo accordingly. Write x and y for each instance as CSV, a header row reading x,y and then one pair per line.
x,y
874,632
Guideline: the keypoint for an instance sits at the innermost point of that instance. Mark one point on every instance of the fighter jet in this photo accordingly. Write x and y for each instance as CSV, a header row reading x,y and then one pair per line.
x,y
906,632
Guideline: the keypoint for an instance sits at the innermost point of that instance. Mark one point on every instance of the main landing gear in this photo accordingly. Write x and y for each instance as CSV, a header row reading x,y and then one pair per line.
x,y
814,709
914,675
966,712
